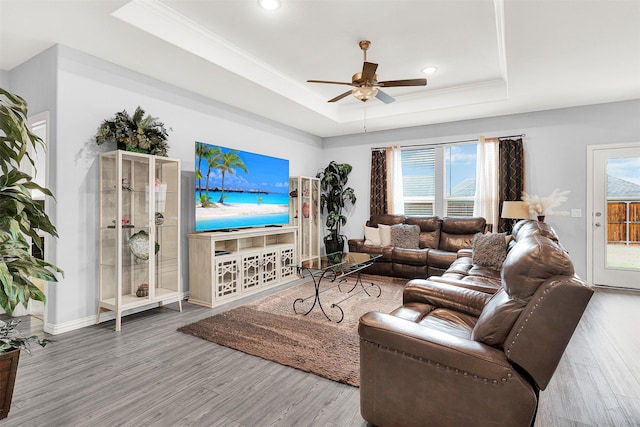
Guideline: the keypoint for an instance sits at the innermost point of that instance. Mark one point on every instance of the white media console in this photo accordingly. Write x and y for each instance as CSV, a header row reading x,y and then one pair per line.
x,y
227,265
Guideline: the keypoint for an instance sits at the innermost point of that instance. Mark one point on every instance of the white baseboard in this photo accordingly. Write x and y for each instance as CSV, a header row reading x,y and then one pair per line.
x,y
61,328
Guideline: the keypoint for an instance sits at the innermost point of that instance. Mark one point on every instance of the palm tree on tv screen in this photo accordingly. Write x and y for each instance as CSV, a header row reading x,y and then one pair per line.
x,y
213,156
202,152
230,161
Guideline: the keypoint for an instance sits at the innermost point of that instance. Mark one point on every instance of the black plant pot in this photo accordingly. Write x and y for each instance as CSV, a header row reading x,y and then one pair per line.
x,y
334,243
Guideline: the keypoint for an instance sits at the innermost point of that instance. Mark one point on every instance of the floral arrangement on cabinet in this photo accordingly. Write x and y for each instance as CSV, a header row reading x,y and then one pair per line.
x,y
542,206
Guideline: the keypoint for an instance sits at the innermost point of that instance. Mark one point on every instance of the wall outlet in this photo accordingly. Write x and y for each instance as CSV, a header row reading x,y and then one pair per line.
x,y
576,213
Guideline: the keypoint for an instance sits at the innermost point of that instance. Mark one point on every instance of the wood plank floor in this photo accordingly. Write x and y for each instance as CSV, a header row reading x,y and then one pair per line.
x,y
151,375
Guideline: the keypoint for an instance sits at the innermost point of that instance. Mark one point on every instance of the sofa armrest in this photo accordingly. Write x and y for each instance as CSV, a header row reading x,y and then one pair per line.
x,y
465,253
476,285
355,245
406,337
445,295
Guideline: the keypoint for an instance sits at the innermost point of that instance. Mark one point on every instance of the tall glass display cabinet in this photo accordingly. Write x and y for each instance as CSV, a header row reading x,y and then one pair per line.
x,y
304,212
139,232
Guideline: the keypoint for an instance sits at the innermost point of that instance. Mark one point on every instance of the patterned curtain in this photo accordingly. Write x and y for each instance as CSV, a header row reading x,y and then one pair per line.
x,y
511,180
378,204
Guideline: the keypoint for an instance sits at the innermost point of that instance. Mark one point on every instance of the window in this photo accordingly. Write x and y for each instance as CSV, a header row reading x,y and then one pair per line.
x,y
418,181
439,180
460,179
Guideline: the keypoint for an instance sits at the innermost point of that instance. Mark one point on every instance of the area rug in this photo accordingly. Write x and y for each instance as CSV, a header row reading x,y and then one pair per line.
x,y
269,328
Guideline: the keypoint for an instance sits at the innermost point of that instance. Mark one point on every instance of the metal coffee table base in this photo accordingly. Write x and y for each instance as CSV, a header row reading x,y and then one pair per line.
x,y
332,276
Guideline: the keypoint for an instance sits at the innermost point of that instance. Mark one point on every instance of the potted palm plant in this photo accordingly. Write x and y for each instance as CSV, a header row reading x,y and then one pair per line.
x,y
333,198
21,221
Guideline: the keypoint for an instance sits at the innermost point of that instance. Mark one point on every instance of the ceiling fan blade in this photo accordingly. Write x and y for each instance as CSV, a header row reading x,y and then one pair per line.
x,y
330,82
408,82
368,71
339,97
387,99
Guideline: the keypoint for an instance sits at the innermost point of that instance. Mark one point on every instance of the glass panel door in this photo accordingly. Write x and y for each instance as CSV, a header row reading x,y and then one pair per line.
x,y
616,217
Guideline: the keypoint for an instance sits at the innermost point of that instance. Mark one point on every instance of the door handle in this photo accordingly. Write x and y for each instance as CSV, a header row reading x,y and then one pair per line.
x,y
597,224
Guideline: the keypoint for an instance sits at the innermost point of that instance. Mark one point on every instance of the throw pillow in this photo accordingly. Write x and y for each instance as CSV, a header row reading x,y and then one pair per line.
x,y
385,234
371,236
405,236
489,250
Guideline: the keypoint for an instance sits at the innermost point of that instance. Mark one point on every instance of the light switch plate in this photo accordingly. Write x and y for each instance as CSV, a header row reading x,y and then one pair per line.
x,y
576,213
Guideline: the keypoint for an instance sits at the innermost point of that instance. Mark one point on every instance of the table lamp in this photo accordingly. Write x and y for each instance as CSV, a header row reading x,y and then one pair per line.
x,y
515,210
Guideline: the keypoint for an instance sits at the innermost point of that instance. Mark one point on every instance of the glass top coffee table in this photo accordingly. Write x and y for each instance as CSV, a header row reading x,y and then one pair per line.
x,y
331,271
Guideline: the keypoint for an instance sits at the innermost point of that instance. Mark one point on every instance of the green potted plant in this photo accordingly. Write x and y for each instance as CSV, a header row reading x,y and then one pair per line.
x,y
12,341
21,221
137,133
333,198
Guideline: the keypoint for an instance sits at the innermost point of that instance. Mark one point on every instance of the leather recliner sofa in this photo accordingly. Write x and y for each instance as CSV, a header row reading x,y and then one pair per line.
x,y
452,355
440,240
465,273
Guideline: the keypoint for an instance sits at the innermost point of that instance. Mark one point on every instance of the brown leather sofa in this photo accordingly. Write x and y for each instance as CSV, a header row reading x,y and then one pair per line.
x,y
440,240
452,355
463,272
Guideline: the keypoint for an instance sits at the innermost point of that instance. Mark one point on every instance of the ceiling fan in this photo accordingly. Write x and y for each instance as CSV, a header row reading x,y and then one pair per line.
x,y
366,83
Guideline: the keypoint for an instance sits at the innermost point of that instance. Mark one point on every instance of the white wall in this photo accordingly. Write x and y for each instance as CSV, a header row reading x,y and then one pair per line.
x,y
555,150
4,79
90,90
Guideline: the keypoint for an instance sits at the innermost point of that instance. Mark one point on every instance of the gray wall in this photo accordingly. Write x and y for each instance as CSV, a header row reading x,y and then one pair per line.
x,y
4,79
555,148
89,90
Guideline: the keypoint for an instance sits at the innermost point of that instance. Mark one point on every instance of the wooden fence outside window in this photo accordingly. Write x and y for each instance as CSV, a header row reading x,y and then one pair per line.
x,y
623,218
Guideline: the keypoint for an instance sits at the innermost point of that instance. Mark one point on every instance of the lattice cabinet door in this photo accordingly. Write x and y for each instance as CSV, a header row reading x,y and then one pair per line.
x,y
270,267
287,262
251,270
227,277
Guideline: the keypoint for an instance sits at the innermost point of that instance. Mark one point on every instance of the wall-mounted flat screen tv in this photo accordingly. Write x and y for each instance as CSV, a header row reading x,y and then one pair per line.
x,y
239,189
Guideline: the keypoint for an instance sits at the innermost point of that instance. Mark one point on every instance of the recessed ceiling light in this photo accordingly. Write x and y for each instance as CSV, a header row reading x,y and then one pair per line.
x,y
430,70
269,4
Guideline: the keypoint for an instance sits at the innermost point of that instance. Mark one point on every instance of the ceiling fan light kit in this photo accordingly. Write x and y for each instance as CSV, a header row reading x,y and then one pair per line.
x,y
366,83
364,93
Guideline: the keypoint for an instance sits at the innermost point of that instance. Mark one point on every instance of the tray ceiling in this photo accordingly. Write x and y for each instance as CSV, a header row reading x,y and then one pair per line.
x,y
493,57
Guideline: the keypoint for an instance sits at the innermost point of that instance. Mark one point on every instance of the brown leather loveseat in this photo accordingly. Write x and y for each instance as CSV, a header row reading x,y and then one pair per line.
x,y
453,355
439,241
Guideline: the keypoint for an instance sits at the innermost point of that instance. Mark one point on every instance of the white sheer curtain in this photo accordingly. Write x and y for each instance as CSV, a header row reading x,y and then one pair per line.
x,y
486,200
395,196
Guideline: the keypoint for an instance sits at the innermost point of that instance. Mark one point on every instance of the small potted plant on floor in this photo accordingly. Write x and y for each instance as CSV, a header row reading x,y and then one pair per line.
x,y
22,220
137,133
12,341
333,198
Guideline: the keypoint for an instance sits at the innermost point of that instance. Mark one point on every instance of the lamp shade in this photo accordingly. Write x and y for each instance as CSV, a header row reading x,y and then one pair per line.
x,y
515,210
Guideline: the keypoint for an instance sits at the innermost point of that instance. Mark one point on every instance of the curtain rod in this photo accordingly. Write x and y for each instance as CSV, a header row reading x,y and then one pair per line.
x,y
522,135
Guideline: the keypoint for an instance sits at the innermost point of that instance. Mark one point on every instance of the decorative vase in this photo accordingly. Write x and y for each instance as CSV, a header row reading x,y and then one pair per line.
x,y
541,218
305,209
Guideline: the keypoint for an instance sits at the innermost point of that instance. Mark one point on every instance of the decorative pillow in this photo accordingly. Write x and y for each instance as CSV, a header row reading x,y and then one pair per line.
x,y
385,234
489,250
405,236
371,236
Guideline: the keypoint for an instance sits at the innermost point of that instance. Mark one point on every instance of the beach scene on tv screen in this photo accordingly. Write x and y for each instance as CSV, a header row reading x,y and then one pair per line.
x,y
237,188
